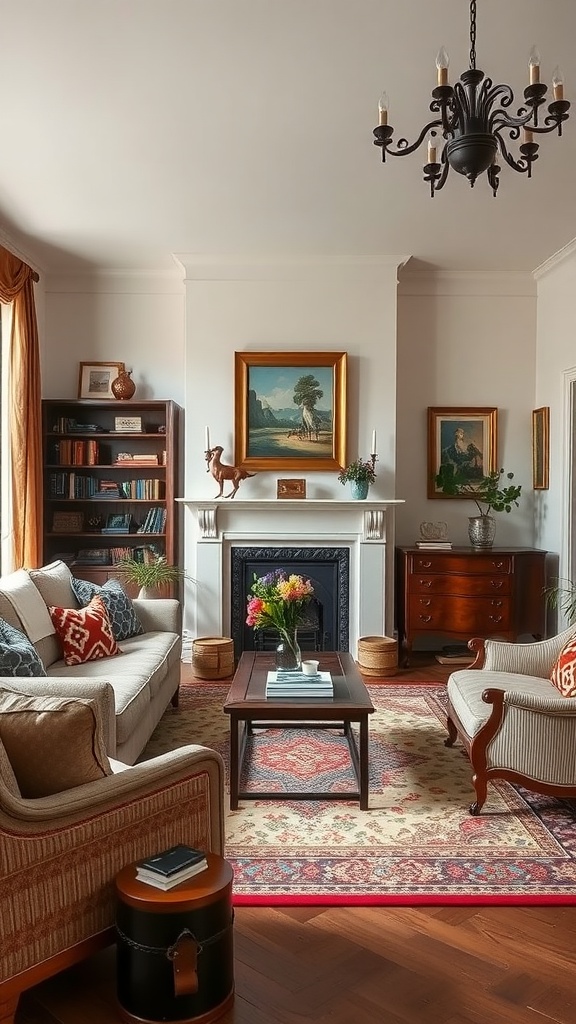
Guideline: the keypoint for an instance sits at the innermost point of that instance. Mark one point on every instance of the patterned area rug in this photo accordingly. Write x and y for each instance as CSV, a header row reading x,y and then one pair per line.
x,y
416,844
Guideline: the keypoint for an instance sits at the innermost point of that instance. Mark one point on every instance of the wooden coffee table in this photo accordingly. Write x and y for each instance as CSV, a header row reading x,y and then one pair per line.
x,y
248,706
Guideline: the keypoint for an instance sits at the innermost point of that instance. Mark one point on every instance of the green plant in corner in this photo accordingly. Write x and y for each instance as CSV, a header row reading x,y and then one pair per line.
x,y
562,594
487,493
359,471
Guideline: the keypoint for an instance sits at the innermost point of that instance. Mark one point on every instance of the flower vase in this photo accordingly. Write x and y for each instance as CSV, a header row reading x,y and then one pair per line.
x,y
288,654
359,489
123,387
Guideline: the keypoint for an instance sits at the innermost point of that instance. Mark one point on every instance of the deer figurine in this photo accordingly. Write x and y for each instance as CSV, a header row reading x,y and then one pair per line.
x,y
221,472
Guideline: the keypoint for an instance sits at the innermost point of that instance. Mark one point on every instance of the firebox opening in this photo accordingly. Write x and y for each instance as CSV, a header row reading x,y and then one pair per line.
x,y
325,622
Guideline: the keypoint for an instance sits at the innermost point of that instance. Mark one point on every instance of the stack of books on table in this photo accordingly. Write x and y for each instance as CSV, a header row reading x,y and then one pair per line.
x,y
430,545
171,867
283,683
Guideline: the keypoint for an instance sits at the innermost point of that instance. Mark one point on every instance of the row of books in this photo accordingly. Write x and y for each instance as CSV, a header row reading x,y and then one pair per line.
x,y
295,684
66,425
78,485
171,867
68,452
155,521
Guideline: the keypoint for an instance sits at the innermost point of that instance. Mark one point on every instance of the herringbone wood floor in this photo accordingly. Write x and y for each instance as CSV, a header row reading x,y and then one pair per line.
x,y
417,965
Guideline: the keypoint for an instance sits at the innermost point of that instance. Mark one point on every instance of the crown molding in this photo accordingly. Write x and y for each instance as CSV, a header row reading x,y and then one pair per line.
x,y
467,283
264,267
555,260
162,282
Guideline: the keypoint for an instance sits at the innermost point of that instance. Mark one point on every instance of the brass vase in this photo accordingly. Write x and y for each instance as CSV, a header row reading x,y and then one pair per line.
x,y
123,387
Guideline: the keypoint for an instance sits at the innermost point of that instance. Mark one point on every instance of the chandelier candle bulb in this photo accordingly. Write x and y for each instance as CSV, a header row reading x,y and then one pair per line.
x,y
528,136
558,84
431,151
383,109
442,63
534,64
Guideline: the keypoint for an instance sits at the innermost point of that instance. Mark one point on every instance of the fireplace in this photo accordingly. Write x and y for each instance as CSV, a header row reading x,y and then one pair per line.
x,y
324,624
359,535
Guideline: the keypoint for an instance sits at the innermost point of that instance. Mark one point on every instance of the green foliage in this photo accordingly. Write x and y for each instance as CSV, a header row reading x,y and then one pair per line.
x,y
152,574
359,471
562,594
487,493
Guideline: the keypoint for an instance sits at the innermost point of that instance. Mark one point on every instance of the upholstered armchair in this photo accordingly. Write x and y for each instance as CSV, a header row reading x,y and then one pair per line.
x,y
512,719
59,855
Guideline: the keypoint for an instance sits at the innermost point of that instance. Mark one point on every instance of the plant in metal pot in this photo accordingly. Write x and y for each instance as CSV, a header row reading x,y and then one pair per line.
x,y
489,493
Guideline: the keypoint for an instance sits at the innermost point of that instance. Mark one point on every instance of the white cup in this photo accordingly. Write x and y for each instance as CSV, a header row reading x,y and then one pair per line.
x,y
310,668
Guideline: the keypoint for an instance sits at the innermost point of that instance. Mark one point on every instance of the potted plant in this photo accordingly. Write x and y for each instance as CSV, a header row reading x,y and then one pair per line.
x,y
562,594
487,494
153,578
359,475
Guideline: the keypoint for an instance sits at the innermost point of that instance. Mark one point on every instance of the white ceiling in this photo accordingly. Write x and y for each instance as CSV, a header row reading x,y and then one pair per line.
x,y
133,129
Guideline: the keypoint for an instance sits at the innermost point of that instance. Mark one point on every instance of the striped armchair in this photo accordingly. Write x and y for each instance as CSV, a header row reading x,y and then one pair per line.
x,y
59,856
512,720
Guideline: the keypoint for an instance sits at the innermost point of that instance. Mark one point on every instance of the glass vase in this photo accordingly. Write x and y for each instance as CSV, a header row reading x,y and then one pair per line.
x,y
288,653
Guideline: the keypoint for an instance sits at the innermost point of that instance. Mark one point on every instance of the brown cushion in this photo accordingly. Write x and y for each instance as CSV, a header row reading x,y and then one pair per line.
x,y
52,743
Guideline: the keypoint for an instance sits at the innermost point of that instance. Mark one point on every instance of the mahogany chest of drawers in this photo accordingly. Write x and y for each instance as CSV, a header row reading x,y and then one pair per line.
x,y
467,592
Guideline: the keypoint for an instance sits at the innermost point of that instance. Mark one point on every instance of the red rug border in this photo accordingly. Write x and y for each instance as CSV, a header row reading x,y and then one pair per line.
x,y
403,901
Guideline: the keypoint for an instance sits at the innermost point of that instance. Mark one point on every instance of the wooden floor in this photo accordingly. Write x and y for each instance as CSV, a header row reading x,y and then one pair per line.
x,y
414,965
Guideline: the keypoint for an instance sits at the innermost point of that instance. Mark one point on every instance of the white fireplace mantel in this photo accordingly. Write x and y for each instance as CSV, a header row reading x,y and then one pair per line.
x,y
366,527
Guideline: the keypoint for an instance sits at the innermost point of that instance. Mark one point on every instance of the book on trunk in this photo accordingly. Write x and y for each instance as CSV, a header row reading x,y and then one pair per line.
x,y
169,862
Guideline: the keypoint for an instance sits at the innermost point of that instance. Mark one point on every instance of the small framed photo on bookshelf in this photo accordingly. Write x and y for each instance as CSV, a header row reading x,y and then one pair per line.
x,y
119,522
67,522
95,379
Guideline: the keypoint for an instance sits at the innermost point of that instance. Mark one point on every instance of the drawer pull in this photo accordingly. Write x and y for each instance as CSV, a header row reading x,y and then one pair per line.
x,y
425,618
425,602
498,565
497,584
496,604
425,583
496,618
424,565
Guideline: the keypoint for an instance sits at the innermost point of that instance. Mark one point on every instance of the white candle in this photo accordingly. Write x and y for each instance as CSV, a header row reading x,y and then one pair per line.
x,y
373,452
206,440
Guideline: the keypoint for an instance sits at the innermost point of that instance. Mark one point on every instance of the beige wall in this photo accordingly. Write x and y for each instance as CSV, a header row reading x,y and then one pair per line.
x,y
465,340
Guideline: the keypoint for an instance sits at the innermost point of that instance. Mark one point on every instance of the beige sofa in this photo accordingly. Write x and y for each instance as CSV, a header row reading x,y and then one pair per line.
x,y
132,688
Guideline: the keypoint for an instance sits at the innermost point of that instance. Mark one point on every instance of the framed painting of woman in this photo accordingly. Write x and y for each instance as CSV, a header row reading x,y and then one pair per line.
x,y
464,438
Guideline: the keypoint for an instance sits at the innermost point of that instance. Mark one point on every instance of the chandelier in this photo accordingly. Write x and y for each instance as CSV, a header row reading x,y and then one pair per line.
x,y
473,119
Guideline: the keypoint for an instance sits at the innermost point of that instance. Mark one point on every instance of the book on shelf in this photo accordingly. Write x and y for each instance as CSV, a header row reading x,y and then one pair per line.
x,y
166,883
430,545
169,862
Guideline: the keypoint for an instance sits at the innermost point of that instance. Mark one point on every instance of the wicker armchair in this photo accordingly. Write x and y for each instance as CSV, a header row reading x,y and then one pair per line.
x,y
60,854
512,720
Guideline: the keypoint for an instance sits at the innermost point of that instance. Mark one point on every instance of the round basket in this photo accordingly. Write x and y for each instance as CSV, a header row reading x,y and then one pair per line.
x,y
213,657
377,655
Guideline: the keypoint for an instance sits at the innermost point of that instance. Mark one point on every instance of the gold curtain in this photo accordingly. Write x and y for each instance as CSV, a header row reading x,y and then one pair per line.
x,y
17,288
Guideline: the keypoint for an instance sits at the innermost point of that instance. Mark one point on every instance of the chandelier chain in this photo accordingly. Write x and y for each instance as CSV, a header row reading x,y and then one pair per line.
x,y
473,35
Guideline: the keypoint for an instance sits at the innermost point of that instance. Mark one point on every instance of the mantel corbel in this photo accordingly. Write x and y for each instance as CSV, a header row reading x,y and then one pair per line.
x,y
207,522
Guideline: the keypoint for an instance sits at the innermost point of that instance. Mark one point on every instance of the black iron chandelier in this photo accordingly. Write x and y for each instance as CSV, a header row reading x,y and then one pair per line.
x,y
472,117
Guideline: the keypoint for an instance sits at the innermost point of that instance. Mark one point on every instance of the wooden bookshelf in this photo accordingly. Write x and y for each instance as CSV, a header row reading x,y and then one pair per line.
x,y
109,491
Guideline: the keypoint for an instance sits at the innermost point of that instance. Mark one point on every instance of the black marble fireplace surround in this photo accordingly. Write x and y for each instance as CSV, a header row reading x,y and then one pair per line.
x,y
325,624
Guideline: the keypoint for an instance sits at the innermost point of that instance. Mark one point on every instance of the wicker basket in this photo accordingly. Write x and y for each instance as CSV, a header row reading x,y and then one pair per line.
x,y
213,657
377,655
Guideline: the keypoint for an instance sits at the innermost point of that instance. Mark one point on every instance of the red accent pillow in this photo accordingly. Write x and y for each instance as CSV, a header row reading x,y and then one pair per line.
x,y
564,672
86,633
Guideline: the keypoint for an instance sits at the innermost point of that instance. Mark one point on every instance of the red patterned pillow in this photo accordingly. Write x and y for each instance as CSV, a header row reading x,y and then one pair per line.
x,y
86,633
564,672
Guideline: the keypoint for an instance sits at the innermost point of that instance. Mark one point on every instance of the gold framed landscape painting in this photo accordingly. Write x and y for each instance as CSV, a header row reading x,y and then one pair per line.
x,y
95,379
290,410
541,448
465,438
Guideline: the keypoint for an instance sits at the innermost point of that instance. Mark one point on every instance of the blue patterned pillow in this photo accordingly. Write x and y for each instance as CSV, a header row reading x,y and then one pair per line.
x,y
125,622
18,657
